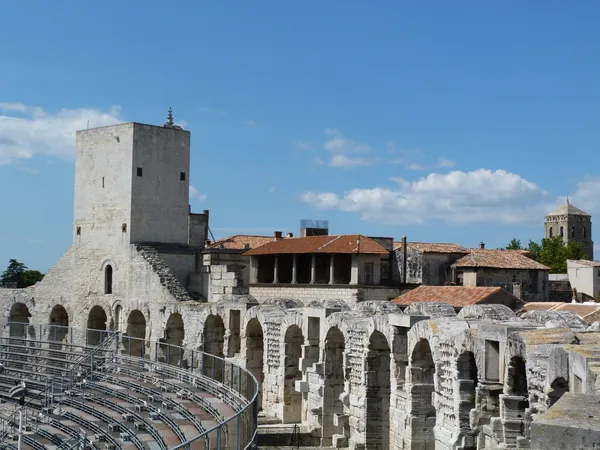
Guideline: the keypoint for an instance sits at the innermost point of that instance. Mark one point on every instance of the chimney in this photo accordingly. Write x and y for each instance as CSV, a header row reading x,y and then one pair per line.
x,y
207,243
289,235
404,260
482,245
277,235
246,246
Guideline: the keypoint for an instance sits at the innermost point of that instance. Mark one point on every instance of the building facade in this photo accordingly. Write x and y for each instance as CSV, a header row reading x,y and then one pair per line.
x,y
573,225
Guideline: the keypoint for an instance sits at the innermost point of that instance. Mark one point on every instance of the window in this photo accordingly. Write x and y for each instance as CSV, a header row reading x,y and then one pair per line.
x,y
584,232
124,228
492,360
562,232
102,181
572,232
599,273
369,269
78,231
550,232
182,176
385,270
108,272
139,171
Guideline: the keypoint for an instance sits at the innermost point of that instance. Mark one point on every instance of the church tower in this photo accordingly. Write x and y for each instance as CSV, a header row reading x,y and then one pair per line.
x,y
572,224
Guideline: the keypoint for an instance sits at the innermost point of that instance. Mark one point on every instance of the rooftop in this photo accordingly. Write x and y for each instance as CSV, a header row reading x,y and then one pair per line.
x,y
568,208
239,241
498,259
430,247
584,262
457,296
587,311
348,243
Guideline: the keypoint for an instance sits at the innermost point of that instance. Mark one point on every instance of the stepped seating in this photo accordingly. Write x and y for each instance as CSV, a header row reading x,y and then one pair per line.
x,y
118,401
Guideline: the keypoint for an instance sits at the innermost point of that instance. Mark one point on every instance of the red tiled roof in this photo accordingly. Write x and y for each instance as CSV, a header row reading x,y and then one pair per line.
x,y
430,247
238,241
499,259
349,243
457,296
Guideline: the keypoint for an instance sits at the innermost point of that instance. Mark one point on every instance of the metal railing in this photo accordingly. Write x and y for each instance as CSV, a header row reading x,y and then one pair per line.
x,y
232,385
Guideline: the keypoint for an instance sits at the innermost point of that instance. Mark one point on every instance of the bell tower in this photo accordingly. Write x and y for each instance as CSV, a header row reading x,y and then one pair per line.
x,y
572,224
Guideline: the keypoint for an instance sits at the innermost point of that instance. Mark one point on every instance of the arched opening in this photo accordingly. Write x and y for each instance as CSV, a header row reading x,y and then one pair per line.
x,y
422,376
377,434
562,232
292,400
96,325
108,279
573,232
517,377
118,318
335,346
136,333
214,337
557,389
59,323
255,354
174,335
467,391
516,400
19,320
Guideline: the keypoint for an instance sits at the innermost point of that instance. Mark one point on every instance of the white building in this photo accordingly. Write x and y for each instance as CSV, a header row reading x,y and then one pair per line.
x,y
584,276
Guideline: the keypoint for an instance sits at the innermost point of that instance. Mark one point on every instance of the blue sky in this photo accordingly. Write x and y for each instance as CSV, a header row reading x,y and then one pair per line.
x,y
442,121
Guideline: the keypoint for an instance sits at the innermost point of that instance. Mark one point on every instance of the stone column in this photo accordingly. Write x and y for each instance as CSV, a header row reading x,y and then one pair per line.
x,y
276,270
331,268
313,269
254,269
294,269
354,270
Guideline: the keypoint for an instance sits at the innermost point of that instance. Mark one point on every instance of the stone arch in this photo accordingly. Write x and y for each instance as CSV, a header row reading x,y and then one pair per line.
x,y
467,374
335,346
174,335
214,339
377,411
255,354
19,320
96,324
59,323
136,333
292,400
422,378
558,388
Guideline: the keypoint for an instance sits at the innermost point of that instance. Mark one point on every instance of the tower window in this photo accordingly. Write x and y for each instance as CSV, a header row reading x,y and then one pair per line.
x,y
584,232
108,272
573,232
139,172
102,181
550,233
182,176
78,231
124,228
562,232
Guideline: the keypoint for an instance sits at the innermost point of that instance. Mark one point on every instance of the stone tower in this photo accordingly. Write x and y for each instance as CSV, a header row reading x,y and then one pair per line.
x,y
572,224
131,185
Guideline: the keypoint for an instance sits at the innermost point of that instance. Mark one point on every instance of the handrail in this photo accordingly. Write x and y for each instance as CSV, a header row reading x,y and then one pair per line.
x,y
244,388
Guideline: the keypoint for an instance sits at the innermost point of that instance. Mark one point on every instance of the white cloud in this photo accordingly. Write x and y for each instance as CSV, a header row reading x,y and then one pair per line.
x,y
28,131
586,195
445,163
29,170
250,123
195,194
416,166
337,143
348,162
457,197
208,110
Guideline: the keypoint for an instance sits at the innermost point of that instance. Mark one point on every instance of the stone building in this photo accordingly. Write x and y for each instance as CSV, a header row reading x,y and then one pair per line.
x,y
344,372
572,224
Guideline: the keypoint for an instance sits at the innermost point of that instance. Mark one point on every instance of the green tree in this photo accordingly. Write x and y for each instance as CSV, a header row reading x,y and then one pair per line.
x,y
18,273
515,244
535,250
553,254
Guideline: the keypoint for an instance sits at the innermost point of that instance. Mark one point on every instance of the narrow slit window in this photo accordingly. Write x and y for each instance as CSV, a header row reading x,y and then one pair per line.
x,y
124,228
140,172
182,176
108,273
102,181
78,231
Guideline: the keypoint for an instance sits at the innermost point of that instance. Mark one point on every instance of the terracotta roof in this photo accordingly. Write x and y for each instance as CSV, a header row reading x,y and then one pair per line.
x,y
568,208
584,262
430,247
349,243
499,259
457,296
238,241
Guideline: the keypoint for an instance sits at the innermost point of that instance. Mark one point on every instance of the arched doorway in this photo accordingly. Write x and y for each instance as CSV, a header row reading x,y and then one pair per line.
x,y
467,390
96,325
19,320
59,323
557,389
214,338
335,346
175,333
255,354
292,400
377,414
422,374
136,333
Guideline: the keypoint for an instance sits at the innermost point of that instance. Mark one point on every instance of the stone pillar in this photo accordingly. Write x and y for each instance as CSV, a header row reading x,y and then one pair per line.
x,y
294,269
276,270
313,269
331,268
253,269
